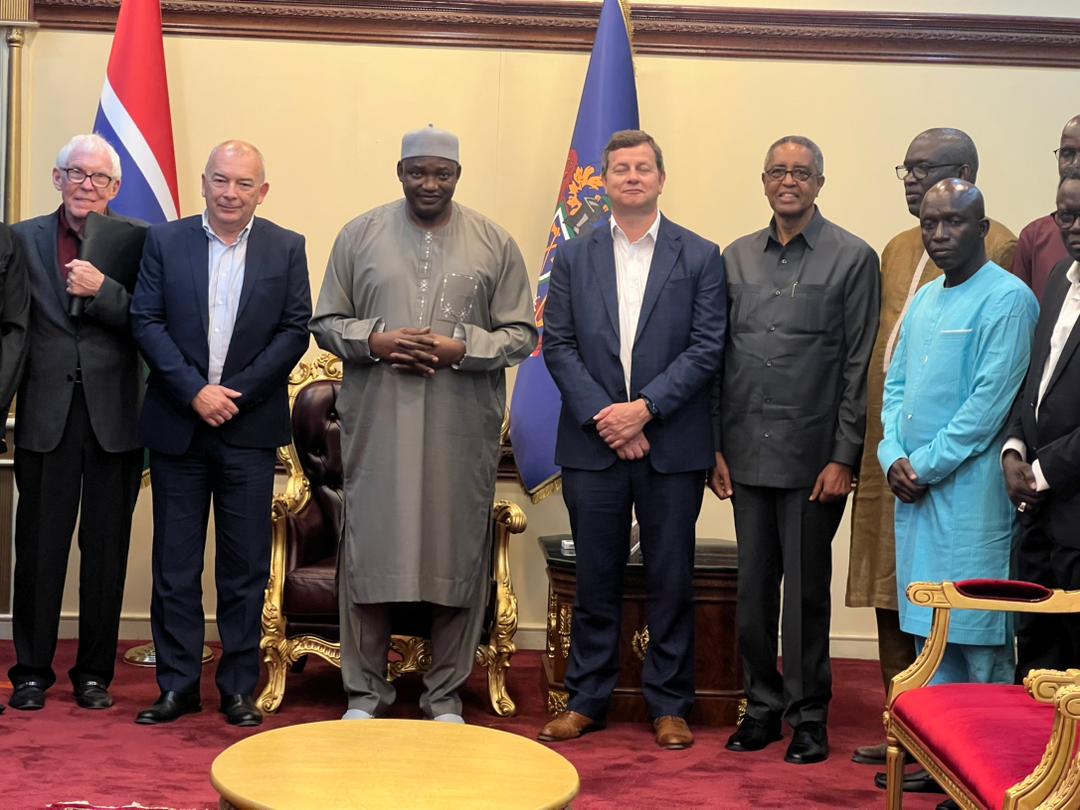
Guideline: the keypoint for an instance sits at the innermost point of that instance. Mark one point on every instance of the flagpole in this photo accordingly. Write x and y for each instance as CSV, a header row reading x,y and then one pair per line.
x,y
15,16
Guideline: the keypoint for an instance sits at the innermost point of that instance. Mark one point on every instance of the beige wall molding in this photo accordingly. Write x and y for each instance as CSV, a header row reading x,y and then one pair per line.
x,y
569,26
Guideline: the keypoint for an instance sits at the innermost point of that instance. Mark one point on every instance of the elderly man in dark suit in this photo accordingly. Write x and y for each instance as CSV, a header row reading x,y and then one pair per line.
x,y
76,452
220,313
1041,455
633,334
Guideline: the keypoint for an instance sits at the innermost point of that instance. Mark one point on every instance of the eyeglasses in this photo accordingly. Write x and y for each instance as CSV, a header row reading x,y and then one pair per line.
x,y
78,176
1066,219
920,170
778,173
1065,154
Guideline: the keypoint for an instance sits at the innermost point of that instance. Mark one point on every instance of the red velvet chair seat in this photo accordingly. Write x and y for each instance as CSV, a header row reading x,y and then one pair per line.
x,y
988,736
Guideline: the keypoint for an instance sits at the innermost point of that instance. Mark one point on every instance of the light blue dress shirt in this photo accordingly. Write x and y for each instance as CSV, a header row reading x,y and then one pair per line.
x,y
226,266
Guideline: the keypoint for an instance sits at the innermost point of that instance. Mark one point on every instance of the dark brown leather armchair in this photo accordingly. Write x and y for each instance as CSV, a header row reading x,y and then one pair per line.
x,y
300,613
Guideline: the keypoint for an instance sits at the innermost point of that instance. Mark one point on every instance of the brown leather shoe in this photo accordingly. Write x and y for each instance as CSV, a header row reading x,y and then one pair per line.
x,y
567,726
673,733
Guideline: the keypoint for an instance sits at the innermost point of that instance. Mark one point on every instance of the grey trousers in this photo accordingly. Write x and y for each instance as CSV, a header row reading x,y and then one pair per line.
x,y
365,643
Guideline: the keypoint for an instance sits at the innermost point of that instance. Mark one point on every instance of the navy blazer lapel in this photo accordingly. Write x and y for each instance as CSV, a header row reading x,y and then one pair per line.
x,y
199,257
668,247
602,255
254,262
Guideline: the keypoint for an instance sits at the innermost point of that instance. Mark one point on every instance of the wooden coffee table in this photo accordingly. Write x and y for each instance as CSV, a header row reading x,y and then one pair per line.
x,y
393,764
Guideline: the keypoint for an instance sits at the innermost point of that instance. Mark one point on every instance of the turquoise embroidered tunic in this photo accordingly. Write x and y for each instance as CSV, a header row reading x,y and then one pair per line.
x,y
962,355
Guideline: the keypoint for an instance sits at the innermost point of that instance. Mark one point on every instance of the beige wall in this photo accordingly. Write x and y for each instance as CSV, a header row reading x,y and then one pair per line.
x,y
329,118
1044,8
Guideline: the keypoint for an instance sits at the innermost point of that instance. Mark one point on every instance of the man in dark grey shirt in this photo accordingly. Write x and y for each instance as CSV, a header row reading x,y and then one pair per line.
x,y
789,414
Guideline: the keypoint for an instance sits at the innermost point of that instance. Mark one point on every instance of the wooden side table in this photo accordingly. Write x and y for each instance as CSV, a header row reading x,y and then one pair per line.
x,y
418,764
717,668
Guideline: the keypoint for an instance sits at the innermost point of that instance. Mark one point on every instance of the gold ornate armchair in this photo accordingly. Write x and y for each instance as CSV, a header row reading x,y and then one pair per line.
x,y
300,612
987,745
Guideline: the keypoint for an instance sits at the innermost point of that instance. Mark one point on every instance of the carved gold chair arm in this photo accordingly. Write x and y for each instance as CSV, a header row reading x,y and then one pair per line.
x,y
1061,764
994,595
990,594
1043,684
509,514
279,511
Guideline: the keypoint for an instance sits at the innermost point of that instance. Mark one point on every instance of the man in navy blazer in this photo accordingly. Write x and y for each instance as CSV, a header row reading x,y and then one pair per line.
x,y
1041,455
220,313
634,329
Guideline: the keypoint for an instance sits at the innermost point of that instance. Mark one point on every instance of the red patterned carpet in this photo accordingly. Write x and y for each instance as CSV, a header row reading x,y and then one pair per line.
x,y
64,754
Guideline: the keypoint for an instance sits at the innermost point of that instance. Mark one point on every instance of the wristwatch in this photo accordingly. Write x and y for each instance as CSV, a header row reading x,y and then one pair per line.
x,y
650,405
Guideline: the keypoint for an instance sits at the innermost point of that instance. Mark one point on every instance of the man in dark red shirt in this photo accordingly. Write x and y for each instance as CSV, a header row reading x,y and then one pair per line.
x,y
76,454
1040,246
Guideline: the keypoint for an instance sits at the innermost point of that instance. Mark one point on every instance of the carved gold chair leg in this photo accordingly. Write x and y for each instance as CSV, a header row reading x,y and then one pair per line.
x,y
501,701
277,667
894,768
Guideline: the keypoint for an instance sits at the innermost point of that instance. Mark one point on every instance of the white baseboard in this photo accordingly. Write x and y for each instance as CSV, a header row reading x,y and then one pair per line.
x,y
529,636
132,628
534,637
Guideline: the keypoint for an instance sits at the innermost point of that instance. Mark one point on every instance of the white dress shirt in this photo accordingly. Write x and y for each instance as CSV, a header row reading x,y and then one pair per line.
x,y
632,263
1066,321
226,264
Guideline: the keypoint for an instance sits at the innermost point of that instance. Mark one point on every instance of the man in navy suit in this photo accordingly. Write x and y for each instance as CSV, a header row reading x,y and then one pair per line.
x,y
633,334
220,313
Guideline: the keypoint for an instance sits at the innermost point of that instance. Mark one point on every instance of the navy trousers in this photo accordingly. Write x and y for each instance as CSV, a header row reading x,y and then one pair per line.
x,y
667,507
239,482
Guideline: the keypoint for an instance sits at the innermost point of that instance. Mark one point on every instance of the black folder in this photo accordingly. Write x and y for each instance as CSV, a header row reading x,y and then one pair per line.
x,y
114,246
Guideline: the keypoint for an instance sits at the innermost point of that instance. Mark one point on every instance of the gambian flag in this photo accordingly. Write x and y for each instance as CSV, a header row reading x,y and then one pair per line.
x,y
608,104
134,115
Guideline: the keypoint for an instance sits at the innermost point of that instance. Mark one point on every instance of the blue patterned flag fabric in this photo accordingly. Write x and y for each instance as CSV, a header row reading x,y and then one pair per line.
x,y
608,104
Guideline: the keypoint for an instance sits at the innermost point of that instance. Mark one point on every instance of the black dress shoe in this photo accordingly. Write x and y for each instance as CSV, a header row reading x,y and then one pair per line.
x,y
809,743
914,782
875,754
93,695
870,754
28,696
240,710
169,706
753,734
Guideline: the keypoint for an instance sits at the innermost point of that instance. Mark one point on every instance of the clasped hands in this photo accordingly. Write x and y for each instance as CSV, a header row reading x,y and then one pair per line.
x,y
411,350
214,404
83,279
903,481
621,425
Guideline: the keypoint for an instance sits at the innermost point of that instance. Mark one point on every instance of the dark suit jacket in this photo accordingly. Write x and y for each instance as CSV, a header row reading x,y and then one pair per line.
x,y
678,347
170,316
99,343
1054,438
14,319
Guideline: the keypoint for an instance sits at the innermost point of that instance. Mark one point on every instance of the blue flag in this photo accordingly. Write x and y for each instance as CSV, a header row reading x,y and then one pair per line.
x,y
608,104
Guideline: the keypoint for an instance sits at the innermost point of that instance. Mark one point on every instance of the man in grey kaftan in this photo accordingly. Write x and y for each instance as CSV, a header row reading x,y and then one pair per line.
x,y
426,302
